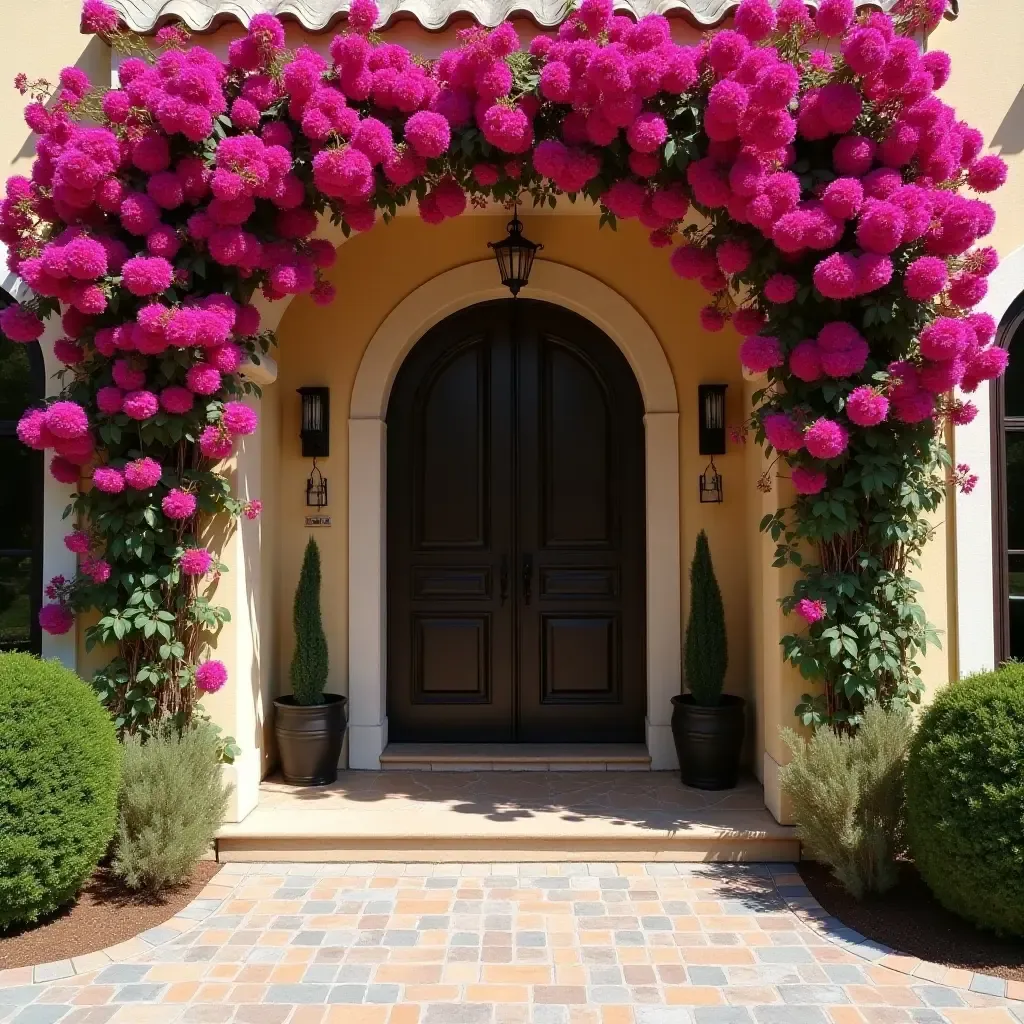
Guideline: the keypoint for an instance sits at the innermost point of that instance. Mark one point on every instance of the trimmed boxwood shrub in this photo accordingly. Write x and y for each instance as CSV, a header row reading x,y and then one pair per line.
x,y
59,773
965,799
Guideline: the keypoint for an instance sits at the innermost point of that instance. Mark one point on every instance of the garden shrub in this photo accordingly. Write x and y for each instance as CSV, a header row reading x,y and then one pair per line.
x,y
965,799
172,803
847,793
706,651
59,768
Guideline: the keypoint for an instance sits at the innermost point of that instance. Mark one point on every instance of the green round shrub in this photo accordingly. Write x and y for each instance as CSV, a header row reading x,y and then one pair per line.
x,y
965,799
59,773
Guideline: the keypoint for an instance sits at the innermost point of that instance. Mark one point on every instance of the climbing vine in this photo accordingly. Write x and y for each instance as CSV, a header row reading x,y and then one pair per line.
x,y
800,167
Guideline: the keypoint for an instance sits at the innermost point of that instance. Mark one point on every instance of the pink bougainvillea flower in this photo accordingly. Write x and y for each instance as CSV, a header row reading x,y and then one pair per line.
x,y
178,504
195,561
66,420
808,481
20,324
865,407
143,474
78,542
56,618
826,439
810,611
760,354
782,433
212,675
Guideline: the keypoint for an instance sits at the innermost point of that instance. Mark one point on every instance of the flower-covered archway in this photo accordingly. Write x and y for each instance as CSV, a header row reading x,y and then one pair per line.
x,y
836,231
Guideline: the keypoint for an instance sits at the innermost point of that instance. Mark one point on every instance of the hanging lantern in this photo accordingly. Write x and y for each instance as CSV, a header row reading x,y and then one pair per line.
x,y
515,256
711,484
711,437
316,488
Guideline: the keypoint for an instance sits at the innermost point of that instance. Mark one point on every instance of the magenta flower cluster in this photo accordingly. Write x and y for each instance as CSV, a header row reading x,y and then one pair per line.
x,y
150,230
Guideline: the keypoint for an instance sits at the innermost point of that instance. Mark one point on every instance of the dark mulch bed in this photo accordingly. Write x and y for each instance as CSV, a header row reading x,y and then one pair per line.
x,y
104,914
910,920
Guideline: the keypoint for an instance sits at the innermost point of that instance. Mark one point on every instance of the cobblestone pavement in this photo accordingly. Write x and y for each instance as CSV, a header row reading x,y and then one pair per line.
x,y
503,944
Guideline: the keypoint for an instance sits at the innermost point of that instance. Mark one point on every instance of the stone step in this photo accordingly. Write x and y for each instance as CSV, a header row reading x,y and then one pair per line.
x,y
523,757
507,817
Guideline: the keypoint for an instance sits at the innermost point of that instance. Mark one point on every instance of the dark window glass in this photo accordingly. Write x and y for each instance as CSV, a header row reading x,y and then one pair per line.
x,y
16,384
21,385
1015,489
1013,381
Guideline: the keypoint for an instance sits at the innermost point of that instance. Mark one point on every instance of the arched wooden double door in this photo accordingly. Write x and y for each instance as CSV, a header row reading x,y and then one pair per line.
x,y
516,606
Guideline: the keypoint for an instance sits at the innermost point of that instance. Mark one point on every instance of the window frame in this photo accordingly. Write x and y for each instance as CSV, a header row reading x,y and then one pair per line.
x,y
1010,326
8,428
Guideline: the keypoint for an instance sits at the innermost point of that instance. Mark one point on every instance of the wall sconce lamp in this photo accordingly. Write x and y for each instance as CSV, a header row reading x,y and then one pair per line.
x,y
711,437
316,440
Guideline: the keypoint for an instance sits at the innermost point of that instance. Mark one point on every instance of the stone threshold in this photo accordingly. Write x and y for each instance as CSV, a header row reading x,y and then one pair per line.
x,y
524,757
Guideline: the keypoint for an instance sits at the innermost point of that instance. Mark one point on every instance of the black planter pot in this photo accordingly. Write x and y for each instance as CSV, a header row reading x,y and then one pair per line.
x,y
709,741
309,739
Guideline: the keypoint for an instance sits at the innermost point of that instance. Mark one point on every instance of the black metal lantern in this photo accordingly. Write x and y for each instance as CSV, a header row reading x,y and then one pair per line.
x,y
711,484
515,256
316,488
711,437
316,423
711,423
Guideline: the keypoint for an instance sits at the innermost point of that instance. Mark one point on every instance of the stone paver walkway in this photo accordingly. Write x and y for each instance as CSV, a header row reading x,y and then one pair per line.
x,y
506,944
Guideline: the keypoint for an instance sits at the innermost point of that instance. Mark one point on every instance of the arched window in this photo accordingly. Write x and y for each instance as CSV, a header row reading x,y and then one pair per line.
x,y
22,384
1008,483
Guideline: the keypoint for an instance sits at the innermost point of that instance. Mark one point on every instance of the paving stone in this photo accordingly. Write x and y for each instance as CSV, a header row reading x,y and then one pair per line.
x,y
789,1015
139,993
784,955
20,994
297,993
41,1014
663,1015
828,994
347,994
721,1015
459,1013
117,974
382,993
938,995
988,985
706,975
844,974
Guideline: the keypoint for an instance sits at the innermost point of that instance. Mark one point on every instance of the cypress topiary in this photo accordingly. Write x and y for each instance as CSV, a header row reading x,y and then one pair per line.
x,y
59,770
309,662
965,798
707,649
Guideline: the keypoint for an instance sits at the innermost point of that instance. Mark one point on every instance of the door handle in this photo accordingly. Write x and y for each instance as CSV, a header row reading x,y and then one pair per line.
x,y
504,578
527,578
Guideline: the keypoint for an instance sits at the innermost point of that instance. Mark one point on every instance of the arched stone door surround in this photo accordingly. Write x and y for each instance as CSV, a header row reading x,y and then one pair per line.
x,y
404,326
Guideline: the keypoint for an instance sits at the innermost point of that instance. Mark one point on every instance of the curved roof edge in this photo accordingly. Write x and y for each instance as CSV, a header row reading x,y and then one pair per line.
x,y
145,16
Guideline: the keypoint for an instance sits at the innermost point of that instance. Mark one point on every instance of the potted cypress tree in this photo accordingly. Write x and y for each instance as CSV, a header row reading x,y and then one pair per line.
x,y
707,725
310,724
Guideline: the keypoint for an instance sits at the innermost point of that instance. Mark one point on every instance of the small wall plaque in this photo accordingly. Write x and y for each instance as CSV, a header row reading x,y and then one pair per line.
x,y
318,520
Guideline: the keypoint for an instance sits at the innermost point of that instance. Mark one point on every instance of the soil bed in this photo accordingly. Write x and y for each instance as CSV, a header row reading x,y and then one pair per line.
x,y
910,920
104,914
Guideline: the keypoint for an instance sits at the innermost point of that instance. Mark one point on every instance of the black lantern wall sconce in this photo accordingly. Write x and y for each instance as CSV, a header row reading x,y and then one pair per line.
x,y
711,437
316,440
515,254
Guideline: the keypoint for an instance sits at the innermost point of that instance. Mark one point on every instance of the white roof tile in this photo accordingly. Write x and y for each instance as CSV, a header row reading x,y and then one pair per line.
x,y
317,15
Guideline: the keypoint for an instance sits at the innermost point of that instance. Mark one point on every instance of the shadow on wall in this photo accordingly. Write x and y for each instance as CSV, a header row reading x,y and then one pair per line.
x,y
1009,136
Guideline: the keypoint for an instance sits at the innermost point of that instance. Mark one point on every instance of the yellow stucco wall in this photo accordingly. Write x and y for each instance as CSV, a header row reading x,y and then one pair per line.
x,y
40,38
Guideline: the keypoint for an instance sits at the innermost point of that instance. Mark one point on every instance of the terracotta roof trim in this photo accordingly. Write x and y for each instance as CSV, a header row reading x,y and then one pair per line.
x,y
145,16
